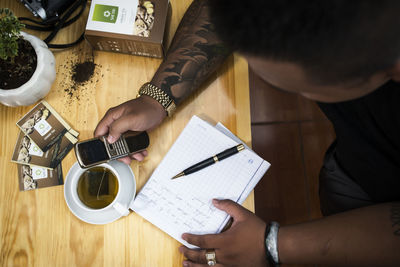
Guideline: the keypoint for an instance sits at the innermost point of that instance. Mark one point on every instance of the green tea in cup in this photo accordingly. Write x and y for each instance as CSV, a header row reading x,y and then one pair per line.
x,y
97,187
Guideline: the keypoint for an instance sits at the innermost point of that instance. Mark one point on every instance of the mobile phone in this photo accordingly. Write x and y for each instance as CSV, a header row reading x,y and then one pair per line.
x,y
98,150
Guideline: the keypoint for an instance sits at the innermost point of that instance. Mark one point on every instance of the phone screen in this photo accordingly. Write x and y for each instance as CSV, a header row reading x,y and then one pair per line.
x,y
137,142
92,152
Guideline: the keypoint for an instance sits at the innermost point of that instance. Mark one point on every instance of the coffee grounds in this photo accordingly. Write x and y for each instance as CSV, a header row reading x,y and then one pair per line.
x,y
79,75
82,72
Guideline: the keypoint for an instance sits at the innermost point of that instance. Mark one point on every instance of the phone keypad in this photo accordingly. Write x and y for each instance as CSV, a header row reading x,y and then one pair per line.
x,y
117,149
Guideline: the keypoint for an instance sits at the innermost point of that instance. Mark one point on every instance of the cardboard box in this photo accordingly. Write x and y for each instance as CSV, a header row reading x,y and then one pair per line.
x,y
136,27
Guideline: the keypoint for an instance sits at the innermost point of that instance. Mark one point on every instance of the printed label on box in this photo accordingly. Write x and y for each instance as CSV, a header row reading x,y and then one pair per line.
x,y
105,13
38,173
42,127
116,18
35,150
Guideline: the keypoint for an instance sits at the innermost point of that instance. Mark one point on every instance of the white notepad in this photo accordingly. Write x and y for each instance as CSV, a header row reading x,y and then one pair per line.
x,y
184,205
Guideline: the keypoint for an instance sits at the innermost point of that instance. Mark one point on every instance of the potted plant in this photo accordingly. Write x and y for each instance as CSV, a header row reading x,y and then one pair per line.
x,y
27,66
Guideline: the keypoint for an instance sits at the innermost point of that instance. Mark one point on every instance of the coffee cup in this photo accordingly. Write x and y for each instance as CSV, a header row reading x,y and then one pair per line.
x,y
100,194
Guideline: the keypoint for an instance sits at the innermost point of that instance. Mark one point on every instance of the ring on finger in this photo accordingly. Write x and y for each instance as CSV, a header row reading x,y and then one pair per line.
x,y
210,257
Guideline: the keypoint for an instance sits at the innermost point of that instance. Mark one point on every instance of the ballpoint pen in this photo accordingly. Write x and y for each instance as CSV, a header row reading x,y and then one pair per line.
x,y
207,162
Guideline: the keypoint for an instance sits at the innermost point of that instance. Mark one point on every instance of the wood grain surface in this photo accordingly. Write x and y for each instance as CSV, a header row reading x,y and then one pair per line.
x,y
36,227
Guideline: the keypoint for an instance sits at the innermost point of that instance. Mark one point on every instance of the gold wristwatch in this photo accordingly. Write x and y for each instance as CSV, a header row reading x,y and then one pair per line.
x,y
159,95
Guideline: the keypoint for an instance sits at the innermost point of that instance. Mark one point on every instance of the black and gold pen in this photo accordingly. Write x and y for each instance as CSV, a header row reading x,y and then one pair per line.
x,y
207,162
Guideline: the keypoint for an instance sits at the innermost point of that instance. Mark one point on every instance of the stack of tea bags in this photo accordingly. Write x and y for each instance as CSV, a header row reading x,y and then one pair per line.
x,y
44,140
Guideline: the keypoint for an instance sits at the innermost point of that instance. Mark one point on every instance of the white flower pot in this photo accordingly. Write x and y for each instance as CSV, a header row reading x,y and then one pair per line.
x,y
39,84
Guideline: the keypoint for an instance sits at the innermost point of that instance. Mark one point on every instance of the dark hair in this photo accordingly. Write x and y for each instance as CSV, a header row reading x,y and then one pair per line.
x,y
334,40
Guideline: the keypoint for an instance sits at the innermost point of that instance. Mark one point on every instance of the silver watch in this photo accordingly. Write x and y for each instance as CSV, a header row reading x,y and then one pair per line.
x,y
271,242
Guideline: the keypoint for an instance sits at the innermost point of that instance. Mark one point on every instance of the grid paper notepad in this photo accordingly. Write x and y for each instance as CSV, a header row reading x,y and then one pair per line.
x,y
184,205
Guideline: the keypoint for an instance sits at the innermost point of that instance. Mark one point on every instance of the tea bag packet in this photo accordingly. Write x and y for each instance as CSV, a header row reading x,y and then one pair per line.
x,y
27,152
33,177
64,145
44,126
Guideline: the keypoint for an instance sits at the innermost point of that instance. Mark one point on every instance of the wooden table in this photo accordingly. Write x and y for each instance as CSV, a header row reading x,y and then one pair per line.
x,y
36,227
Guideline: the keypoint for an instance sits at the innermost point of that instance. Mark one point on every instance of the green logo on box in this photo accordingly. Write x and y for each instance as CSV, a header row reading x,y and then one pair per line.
x,y
105,13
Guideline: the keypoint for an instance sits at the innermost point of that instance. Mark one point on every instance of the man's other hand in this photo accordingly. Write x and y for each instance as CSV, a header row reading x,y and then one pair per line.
x,y
140,114
241,245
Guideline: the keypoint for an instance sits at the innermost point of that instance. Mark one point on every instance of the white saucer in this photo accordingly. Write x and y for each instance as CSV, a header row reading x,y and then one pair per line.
x,y
103,216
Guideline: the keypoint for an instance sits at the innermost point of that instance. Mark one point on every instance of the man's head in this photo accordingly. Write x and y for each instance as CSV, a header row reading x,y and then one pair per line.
x,y
353,45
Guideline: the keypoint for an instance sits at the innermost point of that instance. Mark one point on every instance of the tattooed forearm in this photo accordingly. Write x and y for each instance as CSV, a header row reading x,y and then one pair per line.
x,y
395,218
195,53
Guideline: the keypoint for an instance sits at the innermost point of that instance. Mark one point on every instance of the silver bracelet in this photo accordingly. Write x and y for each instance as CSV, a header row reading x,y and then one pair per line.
x,y
271,241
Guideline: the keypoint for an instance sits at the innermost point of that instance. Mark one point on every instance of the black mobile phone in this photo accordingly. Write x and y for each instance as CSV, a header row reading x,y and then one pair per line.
x,y
98,150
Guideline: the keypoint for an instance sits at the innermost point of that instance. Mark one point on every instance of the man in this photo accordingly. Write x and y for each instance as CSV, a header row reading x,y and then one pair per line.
x,y
343,54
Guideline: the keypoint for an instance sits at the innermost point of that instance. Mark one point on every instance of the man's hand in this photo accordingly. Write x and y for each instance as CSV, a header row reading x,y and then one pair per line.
x,y
140,114
240,245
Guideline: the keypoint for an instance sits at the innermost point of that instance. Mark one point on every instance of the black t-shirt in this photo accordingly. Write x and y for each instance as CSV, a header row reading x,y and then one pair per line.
x,y
368,140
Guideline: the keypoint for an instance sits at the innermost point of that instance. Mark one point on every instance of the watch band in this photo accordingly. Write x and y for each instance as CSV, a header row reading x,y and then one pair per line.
x,y
165,100
271,243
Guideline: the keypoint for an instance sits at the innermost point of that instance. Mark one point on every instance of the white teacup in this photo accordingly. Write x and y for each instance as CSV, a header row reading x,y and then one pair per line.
x,y
117,208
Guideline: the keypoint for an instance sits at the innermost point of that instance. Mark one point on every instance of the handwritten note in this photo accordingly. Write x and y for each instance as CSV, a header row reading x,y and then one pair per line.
x,y
184,204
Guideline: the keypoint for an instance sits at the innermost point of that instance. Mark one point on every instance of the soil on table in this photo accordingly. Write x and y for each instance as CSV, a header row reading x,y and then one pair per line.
x,y
16,73
82,72
80,75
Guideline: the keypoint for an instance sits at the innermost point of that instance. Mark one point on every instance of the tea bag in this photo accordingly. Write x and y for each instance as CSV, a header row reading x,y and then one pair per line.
x,y
98,182
97,187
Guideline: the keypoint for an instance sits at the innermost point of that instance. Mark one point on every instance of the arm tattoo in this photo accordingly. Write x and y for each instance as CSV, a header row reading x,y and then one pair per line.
x,y
395,218
195,53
